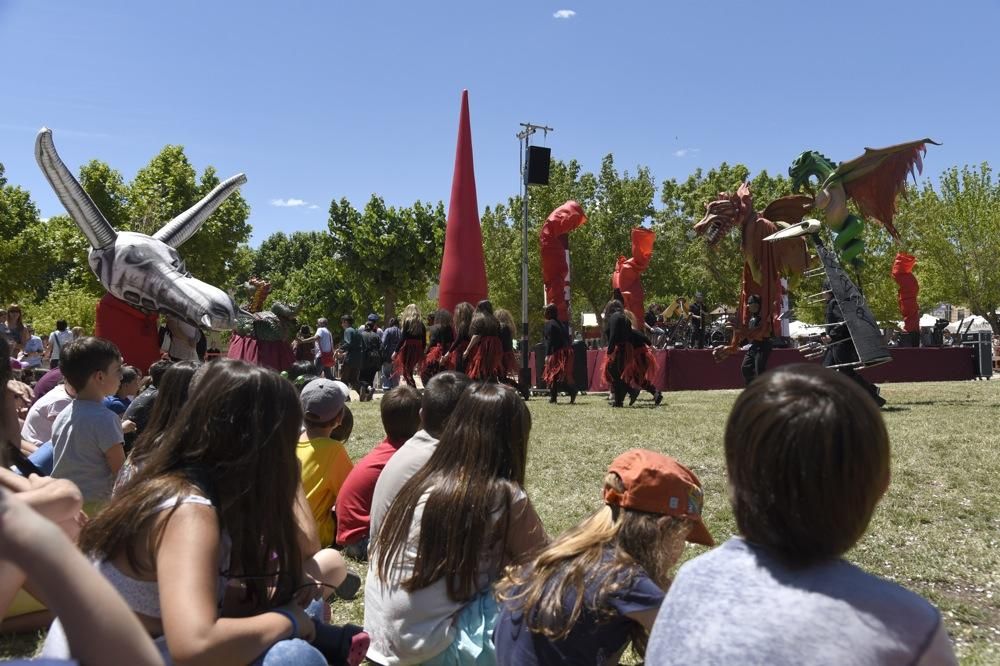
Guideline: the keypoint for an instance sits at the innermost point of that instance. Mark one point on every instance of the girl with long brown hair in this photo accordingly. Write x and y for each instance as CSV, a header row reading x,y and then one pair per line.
x,y
455,358
600,585
442,336
448,534
559,356
409,356
511,366
213,503
484,355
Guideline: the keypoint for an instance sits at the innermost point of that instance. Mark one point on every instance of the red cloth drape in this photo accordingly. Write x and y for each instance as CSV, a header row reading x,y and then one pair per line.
x,y
133,331
554,238
902,273
628,272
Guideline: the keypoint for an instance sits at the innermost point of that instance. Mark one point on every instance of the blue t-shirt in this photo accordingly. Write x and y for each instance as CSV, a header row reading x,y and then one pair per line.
x,y
116,404
592,640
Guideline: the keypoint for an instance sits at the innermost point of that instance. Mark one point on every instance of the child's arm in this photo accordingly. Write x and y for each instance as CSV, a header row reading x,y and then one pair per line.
x,y
99,627
187,567
305,524
115,457
472,345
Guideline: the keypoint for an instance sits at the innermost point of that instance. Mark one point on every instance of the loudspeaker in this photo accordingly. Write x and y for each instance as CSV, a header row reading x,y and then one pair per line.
x,y
538,165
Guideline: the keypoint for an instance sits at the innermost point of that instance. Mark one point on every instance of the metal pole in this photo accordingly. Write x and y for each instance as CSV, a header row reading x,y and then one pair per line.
x,y
525,379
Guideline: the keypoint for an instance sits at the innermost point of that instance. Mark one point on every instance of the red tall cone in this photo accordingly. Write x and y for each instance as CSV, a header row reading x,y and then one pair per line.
x,y
463,269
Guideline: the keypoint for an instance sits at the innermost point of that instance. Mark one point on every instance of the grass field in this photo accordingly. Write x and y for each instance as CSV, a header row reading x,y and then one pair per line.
x,y
936,532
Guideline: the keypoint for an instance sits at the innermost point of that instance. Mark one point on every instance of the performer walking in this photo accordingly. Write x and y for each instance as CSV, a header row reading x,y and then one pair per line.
x,y
455,358
617,331
697,316
511,366
840,350
558,356
410,352
442,337
484,355
640,369
755,361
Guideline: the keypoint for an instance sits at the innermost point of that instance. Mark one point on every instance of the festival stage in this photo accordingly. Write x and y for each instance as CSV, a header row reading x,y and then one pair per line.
x,y
695,370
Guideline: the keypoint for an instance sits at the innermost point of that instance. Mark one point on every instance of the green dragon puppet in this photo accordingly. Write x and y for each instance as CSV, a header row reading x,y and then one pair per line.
x,y
275,324
872,181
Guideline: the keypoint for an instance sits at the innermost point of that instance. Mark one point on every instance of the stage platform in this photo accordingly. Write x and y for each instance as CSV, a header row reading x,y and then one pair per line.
x,y
695,370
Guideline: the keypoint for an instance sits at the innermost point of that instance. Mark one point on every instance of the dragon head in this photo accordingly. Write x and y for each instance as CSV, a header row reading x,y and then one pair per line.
x,y
727,211
144,271
808,165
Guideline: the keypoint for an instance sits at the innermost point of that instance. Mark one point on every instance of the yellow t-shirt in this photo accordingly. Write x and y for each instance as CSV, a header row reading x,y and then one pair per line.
x,y
325,465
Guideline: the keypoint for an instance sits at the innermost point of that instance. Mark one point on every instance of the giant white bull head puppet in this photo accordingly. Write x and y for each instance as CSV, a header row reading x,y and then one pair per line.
x,y
144,271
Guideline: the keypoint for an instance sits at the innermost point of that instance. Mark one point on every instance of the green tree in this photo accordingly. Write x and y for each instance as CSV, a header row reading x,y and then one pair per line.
x,y
280,254
391,255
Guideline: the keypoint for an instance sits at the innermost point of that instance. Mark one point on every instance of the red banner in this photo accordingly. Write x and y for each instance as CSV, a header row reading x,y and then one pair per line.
x,y
629,271
554,238
902,273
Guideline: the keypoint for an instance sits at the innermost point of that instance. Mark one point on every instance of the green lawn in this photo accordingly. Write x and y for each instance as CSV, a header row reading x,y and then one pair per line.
x,y
936,532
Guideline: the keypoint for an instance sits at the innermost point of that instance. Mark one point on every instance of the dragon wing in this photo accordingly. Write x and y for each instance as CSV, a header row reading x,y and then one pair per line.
x,y
790,209
877,177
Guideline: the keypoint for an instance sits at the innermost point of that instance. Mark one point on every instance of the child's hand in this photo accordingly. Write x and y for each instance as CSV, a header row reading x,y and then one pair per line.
x,y
128,426
306,630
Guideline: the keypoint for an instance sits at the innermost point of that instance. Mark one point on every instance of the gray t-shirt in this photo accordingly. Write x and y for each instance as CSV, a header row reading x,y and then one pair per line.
x,y
403,464
81,435
738,604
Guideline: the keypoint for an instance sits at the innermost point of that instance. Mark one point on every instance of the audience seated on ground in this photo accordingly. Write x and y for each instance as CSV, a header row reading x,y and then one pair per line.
x,y
87,436
139,410
324,460
400,412
47,382
37,427
203,542
452,529
600,585
128,386
439,399
807,456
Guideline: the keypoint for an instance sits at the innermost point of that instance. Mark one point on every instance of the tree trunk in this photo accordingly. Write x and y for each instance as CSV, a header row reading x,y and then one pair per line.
x,y
390,305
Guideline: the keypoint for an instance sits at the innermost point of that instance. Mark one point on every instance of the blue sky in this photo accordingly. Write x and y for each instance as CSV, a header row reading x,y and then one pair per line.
x,y
321,100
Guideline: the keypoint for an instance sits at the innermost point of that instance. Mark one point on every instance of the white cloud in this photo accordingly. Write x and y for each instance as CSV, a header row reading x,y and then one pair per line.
x,y
287,203
313,206
564,14
684,152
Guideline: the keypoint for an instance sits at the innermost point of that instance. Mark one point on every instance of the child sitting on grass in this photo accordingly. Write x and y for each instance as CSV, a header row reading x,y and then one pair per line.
x,y
324,460
87,437
600,585
807,456
400,412
128,387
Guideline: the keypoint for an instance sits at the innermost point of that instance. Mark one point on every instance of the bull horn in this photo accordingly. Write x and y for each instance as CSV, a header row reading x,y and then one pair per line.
x,y
801,229
74,198
182,227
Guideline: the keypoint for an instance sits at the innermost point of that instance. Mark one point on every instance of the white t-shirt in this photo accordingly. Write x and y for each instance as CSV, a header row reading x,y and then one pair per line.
x,y
58,340
37,427
412,627
180,344
403,464
325,339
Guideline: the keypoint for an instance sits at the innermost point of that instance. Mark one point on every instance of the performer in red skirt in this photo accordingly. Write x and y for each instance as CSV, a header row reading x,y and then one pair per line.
x,y
511,364
558,356
455,358
484,355
442,336
617,332
409,355
640,367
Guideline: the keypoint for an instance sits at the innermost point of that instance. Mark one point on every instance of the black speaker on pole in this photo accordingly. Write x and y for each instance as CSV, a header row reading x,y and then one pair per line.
x,y
538,165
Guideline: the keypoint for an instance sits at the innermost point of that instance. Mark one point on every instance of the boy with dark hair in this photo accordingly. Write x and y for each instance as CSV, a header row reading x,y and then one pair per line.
x,y
86,436
807,456
324,460
437,403
400,411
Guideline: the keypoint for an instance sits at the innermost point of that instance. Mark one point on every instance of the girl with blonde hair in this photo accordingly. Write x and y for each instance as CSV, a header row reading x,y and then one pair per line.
x,y
600,585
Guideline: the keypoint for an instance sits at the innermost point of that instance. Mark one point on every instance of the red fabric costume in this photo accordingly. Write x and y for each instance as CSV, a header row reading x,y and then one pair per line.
x,y
902,273
409,359
274,354
554,238
486,360
133,331
463,268
628,272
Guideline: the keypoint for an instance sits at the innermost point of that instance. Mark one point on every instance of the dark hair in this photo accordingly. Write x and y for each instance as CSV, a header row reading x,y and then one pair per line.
x,y
82,358
346,426
171,396
440,397
234,442
348,318
400,412
156,371
300,368
471,478
484,306
442,318
807,455
463,319
129,374
392,322
551,311
60,324
305,331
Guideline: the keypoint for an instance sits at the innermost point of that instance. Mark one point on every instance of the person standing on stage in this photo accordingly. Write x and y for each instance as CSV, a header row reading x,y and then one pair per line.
x,y
755,361
840,350
698,314
558,356
484,355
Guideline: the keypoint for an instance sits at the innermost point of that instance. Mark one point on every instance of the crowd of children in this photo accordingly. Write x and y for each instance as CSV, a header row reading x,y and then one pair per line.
x,y
222,536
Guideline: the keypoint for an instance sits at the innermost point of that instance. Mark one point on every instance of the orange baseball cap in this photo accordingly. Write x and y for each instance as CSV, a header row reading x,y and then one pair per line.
x,y
656,483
